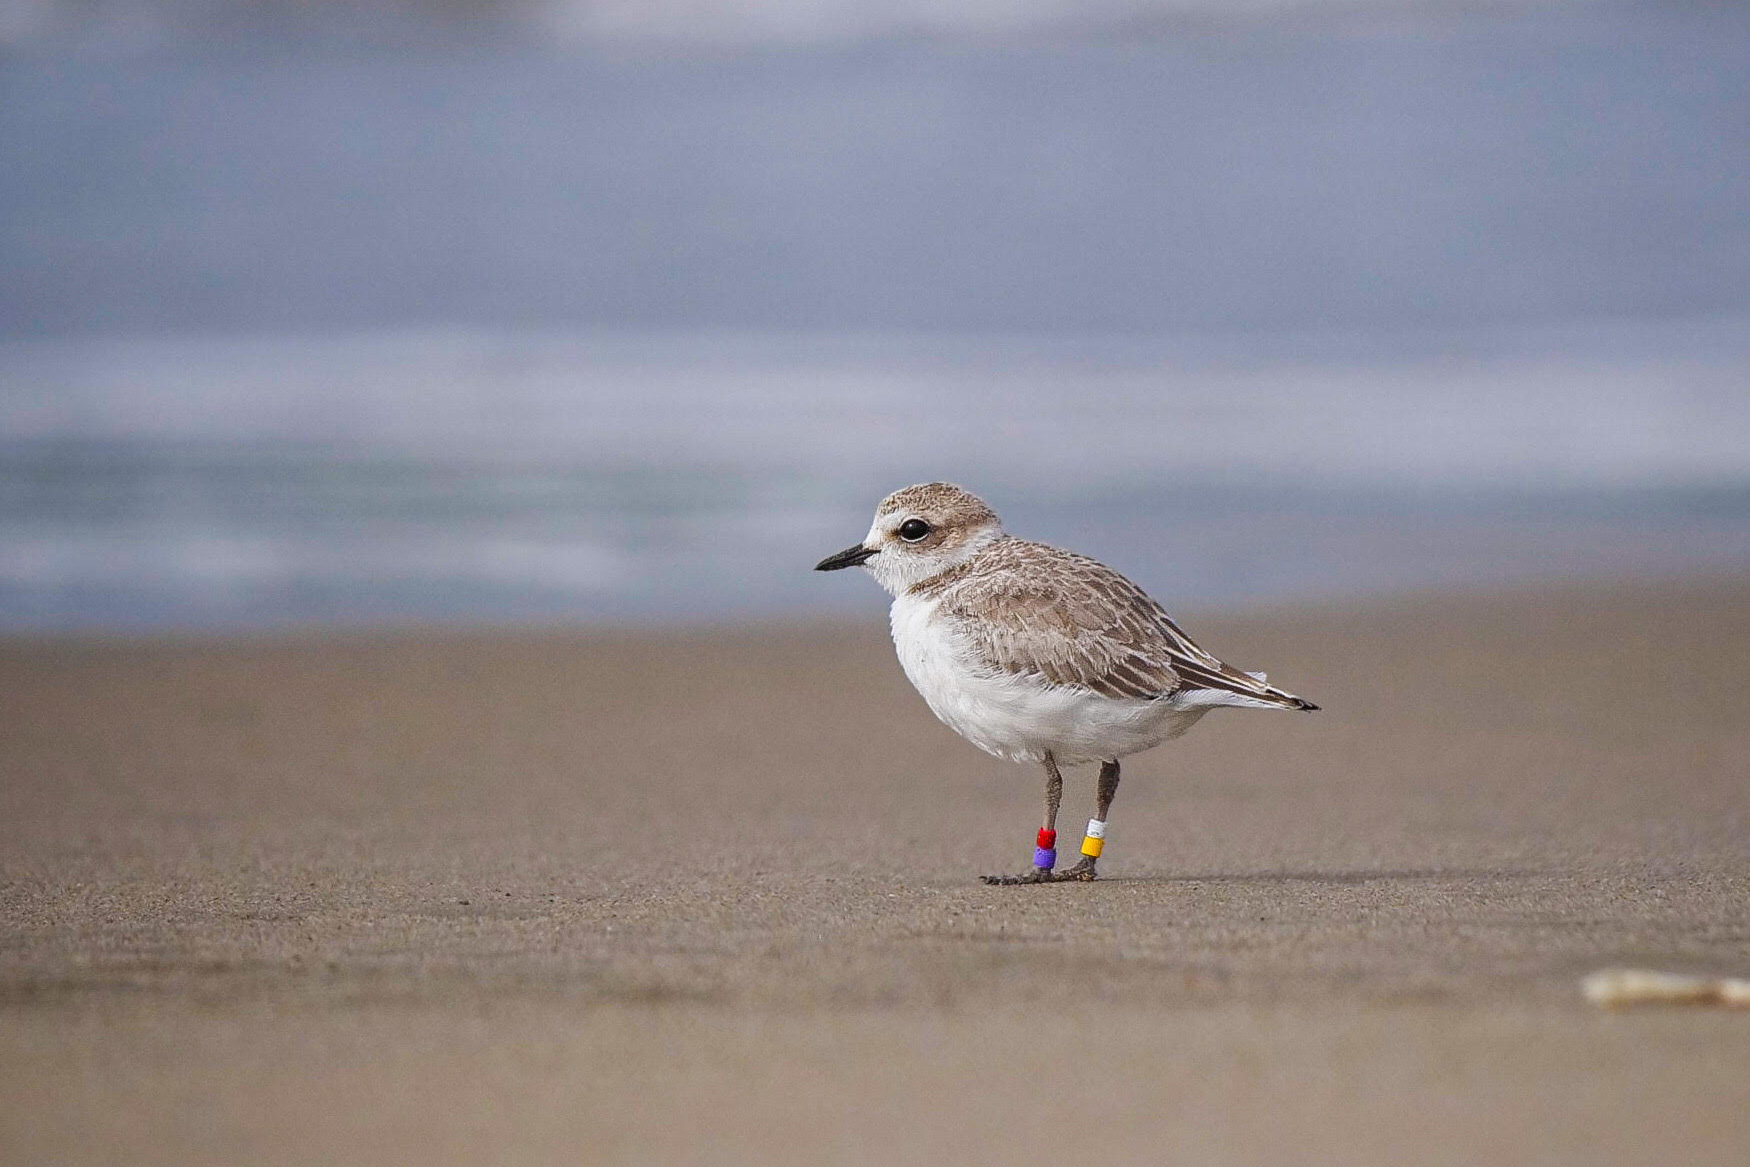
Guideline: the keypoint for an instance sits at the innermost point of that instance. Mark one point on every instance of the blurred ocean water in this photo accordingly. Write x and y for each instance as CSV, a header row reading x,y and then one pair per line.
x,y
609,312
508,476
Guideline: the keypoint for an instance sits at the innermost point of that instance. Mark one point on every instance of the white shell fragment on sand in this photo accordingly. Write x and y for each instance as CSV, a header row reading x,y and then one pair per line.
x,y
1618,988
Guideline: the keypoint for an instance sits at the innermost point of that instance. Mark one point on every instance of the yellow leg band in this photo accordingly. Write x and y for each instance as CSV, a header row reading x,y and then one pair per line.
x,y
1091,847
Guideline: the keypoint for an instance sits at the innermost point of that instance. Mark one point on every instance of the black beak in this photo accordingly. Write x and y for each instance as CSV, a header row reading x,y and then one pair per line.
x,y
849,557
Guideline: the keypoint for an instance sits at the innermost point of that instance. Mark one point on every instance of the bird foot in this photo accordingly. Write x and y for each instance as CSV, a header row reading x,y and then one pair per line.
x,y
1080,873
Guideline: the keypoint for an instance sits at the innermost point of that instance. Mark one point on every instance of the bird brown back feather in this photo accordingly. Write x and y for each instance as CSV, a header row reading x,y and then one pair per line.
x,y
1034,610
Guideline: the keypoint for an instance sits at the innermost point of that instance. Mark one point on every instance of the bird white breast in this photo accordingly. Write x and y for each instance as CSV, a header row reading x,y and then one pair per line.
x,y
1015,716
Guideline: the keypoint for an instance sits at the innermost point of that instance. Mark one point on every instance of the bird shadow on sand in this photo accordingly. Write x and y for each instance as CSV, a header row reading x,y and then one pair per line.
x,y
1330,878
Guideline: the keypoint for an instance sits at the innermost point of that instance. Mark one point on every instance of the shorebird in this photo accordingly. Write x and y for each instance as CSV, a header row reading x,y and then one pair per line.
x,y
1036,654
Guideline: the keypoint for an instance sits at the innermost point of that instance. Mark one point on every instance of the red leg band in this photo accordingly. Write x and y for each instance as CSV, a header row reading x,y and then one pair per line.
x,y
1047,838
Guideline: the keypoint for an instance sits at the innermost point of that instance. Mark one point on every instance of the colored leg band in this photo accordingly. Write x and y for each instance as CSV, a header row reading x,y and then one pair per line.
x,y
1047,838
1045,858
1095,841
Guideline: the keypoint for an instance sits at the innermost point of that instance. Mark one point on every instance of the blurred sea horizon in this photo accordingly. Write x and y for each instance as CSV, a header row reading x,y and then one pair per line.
x,y
495,476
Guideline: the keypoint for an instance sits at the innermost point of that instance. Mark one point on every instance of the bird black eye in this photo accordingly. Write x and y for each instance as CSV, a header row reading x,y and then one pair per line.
x,y
913,529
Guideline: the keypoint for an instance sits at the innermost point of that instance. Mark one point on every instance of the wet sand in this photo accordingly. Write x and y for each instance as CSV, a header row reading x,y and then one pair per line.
x,y
711,897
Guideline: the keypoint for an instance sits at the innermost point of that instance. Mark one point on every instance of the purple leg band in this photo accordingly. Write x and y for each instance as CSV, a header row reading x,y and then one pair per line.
x,y
1045,857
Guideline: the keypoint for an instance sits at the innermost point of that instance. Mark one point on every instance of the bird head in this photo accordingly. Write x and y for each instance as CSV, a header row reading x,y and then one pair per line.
x,y
918,533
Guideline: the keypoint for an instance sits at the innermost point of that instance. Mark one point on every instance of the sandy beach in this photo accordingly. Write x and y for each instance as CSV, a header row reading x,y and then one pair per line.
x,y
711,897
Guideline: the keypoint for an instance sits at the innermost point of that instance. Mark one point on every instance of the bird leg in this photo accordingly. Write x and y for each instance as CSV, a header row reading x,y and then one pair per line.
x,y
1045,852
1095,842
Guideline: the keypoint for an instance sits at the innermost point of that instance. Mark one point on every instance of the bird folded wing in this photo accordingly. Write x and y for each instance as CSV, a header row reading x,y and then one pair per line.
x,y
1064,635
1083,624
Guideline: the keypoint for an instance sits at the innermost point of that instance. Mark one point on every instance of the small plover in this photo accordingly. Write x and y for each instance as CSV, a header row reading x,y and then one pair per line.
x,y
1036,654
